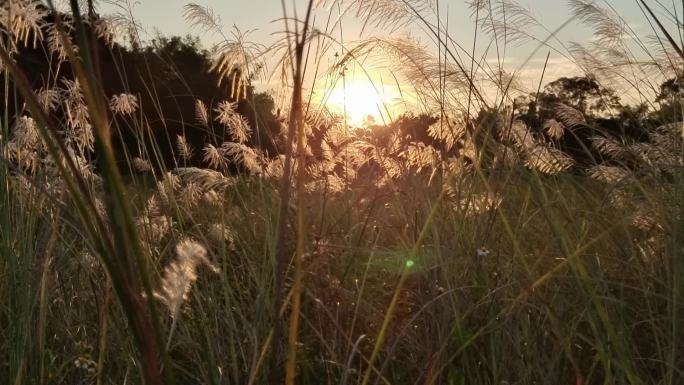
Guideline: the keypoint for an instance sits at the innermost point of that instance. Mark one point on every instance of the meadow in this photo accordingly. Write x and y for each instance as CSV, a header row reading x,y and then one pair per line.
x,y
163,221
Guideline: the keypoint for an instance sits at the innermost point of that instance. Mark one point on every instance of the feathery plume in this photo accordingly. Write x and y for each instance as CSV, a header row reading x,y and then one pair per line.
x,y
242,155
123,104
180,274
521,135
142,165
228,116
201,113
184,149
553,129
548,160
207,179
569,116
213,157
48,98
23,19
608,174
59,43
220,233
153,228
609,28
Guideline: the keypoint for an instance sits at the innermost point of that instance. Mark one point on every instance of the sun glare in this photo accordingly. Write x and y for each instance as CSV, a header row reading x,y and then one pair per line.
x,y
363,101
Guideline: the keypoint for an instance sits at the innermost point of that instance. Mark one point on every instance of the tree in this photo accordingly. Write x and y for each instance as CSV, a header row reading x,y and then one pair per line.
x,y
670,100
167,76
581,92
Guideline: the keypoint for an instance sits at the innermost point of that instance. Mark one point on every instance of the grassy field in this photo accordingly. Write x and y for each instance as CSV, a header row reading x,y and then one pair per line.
x,y
490,254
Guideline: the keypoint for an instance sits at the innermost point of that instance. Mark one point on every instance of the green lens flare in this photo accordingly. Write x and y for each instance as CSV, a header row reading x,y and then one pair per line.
x,y
409,263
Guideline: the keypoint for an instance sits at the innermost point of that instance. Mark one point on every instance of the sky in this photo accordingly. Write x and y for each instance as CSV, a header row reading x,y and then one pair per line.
x,y
263,18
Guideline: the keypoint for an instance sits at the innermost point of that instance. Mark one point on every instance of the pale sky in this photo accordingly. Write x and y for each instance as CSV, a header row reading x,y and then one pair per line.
x,y
261,17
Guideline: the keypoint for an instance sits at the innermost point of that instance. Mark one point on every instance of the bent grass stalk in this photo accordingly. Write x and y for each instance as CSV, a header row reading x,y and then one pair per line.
x,y
117,263
298,112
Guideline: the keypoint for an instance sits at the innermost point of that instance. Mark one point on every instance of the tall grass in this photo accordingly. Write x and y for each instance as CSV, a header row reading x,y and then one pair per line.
x,y
496,258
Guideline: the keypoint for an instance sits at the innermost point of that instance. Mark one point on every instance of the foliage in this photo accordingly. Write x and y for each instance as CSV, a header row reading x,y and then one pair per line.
x,y
483,241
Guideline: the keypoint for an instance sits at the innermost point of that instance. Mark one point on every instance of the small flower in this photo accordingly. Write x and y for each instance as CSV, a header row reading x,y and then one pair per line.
x,y
483,252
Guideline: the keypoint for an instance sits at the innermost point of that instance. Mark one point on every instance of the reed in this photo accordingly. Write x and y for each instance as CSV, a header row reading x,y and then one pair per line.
x,y
501,244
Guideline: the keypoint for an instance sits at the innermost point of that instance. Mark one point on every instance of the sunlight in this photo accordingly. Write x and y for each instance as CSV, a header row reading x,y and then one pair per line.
x,y
364,102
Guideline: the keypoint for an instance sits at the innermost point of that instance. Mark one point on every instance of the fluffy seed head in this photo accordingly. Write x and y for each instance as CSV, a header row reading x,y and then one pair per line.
x,y
180,274
184,149
141,164
124,104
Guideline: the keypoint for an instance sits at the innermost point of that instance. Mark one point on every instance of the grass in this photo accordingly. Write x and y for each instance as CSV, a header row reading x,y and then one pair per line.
x,y
368,264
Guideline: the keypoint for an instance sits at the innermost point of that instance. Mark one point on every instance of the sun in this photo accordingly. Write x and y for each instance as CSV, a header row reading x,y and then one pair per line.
x,y
363,101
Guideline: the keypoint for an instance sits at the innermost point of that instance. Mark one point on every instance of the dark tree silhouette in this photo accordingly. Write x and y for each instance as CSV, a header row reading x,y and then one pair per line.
x,y
581,92
167,76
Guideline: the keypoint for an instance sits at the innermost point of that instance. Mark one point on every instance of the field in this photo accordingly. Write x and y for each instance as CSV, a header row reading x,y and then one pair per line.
x,y
163,220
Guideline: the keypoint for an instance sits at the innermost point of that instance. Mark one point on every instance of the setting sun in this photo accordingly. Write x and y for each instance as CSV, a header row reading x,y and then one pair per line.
x,y
363,101
342,191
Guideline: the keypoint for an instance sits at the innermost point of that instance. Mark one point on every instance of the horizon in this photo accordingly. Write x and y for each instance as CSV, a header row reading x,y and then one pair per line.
x,y
162,221
526,59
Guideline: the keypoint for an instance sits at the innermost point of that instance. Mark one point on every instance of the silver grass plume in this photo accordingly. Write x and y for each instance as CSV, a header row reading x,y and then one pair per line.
x,y
220,233
447,130
554,129
180,274
236,123
234,58
504,20
25,21
213,157
48,98
104,28
153,229
243,155
123,104
207,179
609,28
184,149
142,165
475,204
167,188
58,43
201,113
608,174
609,147
275,167
548,160
387,14
417,66
569,116
521,136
